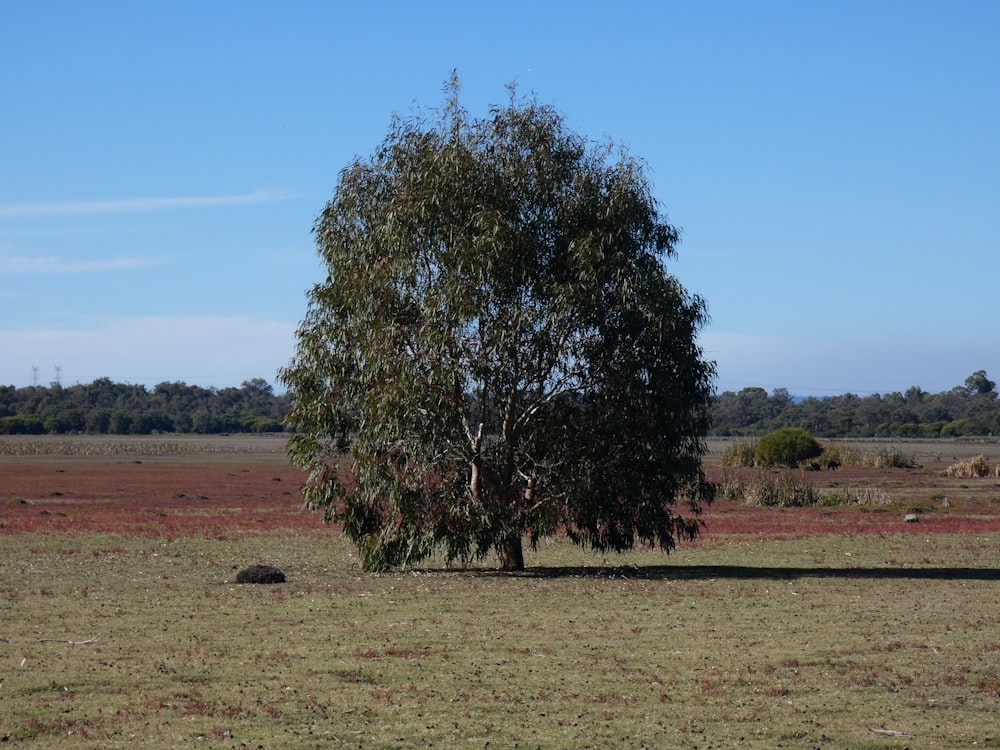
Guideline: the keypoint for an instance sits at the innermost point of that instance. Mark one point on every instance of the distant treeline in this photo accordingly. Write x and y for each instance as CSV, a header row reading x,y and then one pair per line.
x,y
969,409
104,407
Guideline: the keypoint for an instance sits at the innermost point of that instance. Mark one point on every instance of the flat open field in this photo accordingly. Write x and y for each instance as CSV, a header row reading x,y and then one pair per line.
x,y
831,627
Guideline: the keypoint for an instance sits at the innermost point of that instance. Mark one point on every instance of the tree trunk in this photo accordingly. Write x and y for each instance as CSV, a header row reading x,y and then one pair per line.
x,y
512,553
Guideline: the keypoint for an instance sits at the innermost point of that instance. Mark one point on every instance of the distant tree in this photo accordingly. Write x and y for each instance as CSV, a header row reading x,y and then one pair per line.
x,y
977,384
498,349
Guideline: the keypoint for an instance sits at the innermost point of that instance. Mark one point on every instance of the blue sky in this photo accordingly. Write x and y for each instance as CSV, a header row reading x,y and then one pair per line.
x,y
834,168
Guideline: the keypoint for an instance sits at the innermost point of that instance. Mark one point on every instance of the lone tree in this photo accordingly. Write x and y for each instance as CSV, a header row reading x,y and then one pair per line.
x,y
498,351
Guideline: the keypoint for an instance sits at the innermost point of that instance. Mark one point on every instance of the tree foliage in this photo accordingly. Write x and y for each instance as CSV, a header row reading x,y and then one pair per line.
x,y
498,350
787,446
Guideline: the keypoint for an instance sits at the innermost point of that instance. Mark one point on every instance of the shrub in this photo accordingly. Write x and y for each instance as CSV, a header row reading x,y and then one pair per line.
x,y
787,447
954,428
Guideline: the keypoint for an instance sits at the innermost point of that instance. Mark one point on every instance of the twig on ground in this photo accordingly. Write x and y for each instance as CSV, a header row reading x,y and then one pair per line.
x,y
95,639
888,732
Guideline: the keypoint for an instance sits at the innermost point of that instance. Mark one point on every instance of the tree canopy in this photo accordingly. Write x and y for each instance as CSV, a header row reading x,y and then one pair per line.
x,y
498,350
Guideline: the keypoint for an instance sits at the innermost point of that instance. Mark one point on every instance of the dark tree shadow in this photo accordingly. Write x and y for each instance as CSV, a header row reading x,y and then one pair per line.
x,y
741,572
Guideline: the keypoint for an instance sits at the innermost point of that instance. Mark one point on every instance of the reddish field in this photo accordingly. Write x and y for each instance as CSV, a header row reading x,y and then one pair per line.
x,y
217,497
729,518
943,504
228,496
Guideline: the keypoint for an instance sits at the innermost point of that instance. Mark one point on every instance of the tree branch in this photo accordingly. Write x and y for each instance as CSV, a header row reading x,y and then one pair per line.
x,y
558,389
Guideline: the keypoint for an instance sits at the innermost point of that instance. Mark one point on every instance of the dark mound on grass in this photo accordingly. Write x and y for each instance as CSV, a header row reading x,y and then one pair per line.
x,y
260,574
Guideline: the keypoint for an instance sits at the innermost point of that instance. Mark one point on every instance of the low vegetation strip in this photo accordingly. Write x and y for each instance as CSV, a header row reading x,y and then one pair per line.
x,y
163,446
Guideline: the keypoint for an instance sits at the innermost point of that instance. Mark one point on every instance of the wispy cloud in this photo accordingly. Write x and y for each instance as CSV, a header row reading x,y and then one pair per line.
x,y
25,265
134,205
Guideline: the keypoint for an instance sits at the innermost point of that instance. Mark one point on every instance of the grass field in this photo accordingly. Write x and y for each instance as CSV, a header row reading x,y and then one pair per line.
x,y
784,627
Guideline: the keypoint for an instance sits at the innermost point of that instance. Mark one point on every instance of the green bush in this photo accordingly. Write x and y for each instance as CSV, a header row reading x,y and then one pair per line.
x,y
787,446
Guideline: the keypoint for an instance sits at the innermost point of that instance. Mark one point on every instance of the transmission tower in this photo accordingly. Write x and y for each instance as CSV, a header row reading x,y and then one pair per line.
x,y
34,376
58,370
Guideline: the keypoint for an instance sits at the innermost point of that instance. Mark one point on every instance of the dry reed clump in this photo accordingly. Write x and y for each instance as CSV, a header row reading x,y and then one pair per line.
x,y
740,454
882,458
889,458
784,490
769,489
839,455
866,495
977,466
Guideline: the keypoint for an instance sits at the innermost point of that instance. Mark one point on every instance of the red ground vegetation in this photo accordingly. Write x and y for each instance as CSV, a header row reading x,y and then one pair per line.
x,y
727,518
158,497
229,497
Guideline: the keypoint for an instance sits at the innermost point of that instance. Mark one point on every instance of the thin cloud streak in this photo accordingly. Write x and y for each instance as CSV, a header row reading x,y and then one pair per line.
x,y
24,265
134,205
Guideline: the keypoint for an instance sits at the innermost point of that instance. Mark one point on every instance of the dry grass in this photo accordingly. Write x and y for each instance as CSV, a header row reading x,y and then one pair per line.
x,y
739,454
977,466
768,488
168,445
816,642
865,495
882,457
790,489
824,639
